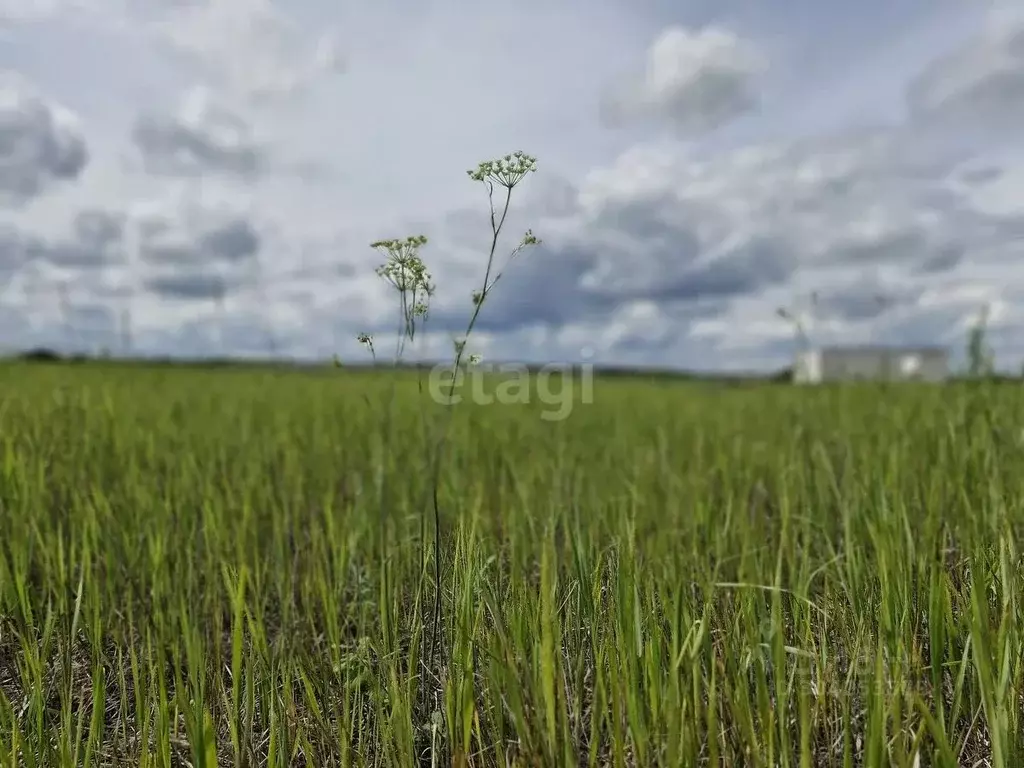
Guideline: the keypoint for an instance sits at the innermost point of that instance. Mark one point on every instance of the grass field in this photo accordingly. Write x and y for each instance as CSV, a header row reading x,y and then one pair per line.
x,y
236,568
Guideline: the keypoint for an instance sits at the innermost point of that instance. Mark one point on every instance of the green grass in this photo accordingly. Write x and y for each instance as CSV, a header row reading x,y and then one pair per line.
x,y
236,568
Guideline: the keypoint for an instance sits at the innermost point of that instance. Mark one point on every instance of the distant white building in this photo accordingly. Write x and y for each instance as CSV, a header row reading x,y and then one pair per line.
x,y
877,363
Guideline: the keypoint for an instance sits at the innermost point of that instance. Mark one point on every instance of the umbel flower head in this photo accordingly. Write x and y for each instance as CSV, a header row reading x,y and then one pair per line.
x,y
367,341
505,171
405,271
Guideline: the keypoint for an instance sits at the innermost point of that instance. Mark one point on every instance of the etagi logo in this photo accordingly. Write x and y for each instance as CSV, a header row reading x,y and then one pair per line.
x,y
559,386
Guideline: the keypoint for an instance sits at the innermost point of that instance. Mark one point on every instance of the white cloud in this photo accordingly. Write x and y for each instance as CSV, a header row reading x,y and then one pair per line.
x,y
95,242
981,83
202,136
40,143
696,80
20,12
250,48
193,248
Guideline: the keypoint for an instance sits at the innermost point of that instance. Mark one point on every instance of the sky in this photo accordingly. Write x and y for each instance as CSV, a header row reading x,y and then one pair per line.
x,y
205,177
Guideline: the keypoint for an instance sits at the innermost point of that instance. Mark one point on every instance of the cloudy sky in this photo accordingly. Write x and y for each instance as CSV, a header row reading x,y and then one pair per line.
x,y
205,176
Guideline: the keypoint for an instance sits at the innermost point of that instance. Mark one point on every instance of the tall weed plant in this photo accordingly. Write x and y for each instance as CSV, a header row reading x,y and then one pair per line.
x,y
406,273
